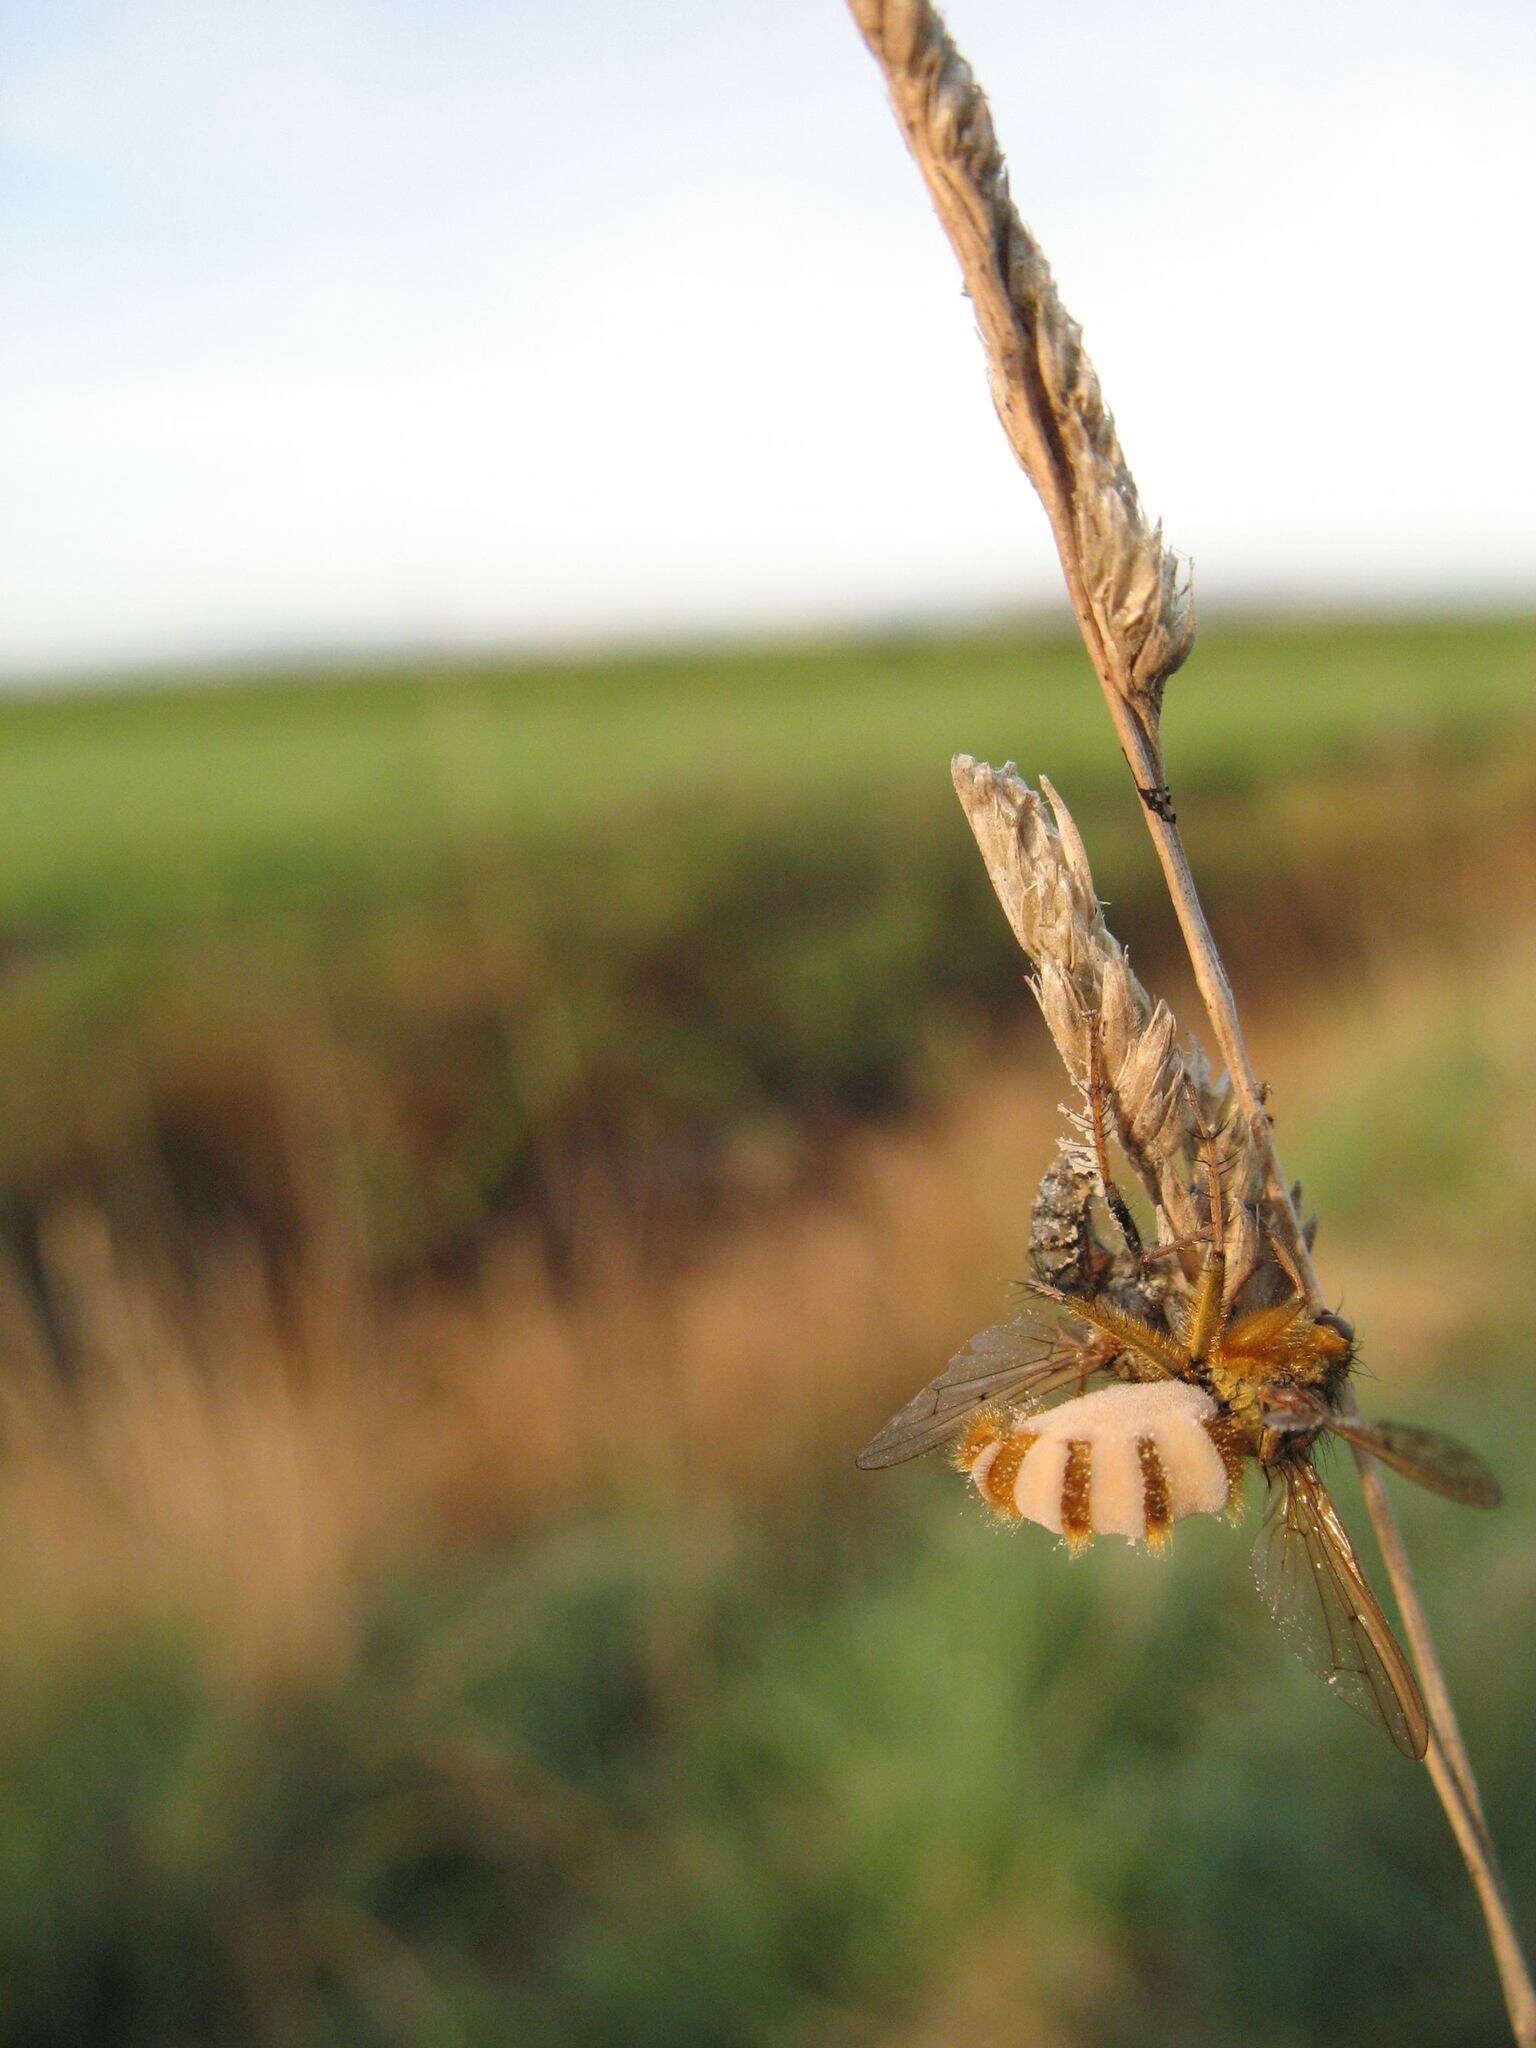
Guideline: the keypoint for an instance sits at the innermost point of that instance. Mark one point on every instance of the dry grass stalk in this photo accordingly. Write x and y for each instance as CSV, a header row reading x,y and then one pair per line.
x,y
1131,594
1134,610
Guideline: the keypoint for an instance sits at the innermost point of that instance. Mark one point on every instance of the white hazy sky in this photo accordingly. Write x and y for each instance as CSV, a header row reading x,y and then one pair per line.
x,y
339,322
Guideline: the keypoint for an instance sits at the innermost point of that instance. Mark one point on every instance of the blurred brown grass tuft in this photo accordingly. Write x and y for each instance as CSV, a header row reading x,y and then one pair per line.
x,y
241,1443
234,1445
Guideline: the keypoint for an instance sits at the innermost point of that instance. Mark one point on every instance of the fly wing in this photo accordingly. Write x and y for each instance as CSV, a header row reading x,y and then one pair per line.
x,y
999,1363
1309,1576
1424,1455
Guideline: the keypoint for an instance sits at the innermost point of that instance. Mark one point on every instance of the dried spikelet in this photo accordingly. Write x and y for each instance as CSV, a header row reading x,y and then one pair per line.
x,y
1133,591
1039,869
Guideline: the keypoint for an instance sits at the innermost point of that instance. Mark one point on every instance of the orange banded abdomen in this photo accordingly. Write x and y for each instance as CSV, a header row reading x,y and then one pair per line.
x,y
1125,1461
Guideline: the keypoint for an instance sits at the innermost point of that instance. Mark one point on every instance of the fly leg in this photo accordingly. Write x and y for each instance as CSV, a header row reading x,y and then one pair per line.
x,y
1207,1317
1127,1332
1174,1247
1286,1263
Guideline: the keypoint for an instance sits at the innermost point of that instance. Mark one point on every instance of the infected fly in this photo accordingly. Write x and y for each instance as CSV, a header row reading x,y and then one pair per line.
x,y
1206,1390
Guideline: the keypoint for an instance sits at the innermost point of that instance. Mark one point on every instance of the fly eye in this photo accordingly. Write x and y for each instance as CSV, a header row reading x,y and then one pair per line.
x,y
1327,1320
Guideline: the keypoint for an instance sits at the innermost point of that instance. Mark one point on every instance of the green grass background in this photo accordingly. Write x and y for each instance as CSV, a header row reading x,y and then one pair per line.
x,y
498,922
230,799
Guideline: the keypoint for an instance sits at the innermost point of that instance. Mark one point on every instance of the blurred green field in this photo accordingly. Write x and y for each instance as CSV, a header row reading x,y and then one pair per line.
x,y
237,799
503,926
484,1146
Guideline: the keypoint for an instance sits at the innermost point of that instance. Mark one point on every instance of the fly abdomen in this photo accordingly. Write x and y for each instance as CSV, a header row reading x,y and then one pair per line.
x,y
1125,1461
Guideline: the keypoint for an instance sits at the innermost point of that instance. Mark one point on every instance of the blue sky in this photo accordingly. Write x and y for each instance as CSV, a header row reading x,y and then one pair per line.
x,y
345,324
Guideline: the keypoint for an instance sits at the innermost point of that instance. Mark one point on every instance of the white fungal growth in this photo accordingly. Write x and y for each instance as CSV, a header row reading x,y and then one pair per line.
x,y
1126,1461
